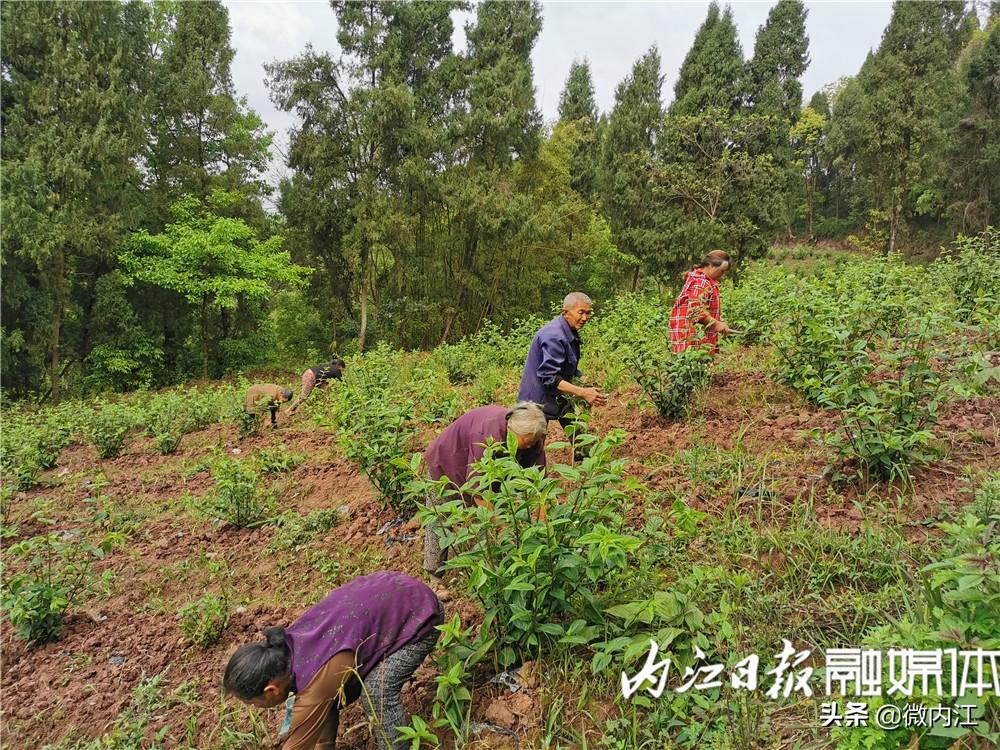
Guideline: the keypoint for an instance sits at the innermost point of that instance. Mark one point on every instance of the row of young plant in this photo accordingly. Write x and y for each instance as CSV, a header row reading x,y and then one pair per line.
x,y
885,343
33,439
47,575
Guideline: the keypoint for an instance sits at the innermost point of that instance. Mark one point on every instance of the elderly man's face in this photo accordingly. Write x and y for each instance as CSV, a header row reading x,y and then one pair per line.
x,y
526,441
578,315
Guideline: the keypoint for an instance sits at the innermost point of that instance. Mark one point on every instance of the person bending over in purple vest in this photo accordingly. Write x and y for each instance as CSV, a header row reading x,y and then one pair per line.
x,y
365,639
463,442
553,359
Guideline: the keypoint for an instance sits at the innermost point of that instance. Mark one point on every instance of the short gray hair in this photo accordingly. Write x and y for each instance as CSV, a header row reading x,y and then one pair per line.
x,y
574,299
527,419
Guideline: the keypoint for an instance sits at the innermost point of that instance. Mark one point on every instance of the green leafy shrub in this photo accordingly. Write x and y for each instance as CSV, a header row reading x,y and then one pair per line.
x,y
166,421
382,437
204,620
488,347
31,443
108,428
957,606
887,409
671,379
375,424
970,269
627,323
460,651
22,456
460,362
540,550
172,414
296,530
238,499
247,422
277,460
986,498
758,303
56,575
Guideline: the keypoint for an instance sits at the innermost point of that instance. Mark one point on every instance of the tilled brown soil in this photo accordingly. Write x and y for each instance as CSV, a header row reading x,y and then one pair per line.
x,y
84,680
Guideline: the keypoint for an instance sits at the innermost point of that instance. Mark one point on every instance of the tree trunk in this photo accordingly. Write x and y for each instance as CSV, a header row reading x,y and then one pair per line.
x,y
809,202
453,314
364,316
204,337
892,227
59,274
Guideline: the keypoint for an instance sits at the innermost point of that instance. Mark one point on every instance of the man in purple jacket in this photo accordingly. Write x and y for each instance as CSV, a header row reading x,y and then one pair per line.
x,y
553,359
463,442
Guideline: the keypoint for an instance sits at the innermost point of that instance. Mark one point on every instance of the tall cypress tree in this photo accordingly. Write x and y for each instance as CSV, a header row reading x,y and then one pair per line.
x,y
577,106
372,134
974,160
499,128
502,120
203,135
72,129
577,102
820,104
713,72
910,99
780,57
628,148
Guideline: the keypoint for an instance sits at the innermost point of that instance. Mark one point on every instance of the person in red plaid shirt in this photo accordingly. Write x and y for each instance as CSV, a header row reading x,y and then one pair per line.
x,y
699,304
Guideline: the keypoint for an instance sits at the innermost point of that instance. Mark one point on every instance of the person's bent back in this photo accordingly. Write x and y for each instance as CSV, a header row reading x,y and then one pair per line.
x,y
318,377
376,629
266,397
463,442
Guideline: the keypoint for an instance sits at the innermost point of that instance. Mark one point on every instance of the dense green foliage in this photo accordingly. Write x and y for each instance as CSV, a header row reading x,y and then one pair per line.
x,y
538,554
958,604
884,343
424,195
670,380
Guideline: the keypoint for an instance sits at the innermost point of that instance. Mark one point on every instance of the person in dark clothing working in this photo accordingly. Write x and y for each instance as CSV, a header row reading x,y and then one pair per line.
x,y
266,396
463,442
320,376
553,359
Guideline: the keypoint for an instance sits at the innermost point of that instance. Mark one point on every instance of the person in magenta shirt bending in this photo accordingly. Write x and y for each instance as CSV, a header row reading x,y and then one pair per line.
x,y
365,637
463,442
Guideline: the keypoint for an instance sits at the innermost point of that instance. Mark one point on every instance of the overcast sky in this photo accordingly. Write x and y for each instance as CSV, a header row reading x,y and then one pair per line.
x,y
610,34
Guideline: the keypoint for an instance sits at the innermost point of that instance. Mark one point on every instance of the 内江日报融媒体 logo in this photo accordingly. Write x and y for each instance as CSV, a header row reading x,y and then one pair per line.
x,y
892,675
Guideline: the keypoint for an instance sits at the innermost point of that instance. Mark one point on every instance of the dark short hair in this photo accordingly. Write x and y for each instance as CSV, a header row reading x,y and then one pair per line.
x,y
254,665
337,362
286,394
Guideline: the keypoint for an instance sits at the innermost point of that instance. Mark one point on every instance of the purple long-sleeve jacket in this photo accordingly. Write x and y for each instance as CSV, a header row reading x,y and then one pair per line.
x,y
463,442
552,358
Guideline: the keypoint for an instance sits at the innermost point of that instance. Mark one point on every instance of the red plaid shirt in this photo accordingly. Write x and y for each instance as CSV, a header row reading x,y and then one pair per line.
x,y
697,302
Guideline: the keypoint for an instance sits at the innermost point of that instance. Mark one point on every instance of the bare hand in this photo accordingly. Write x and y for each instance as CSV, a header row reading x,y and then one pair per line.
x,y
720,327
594,397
